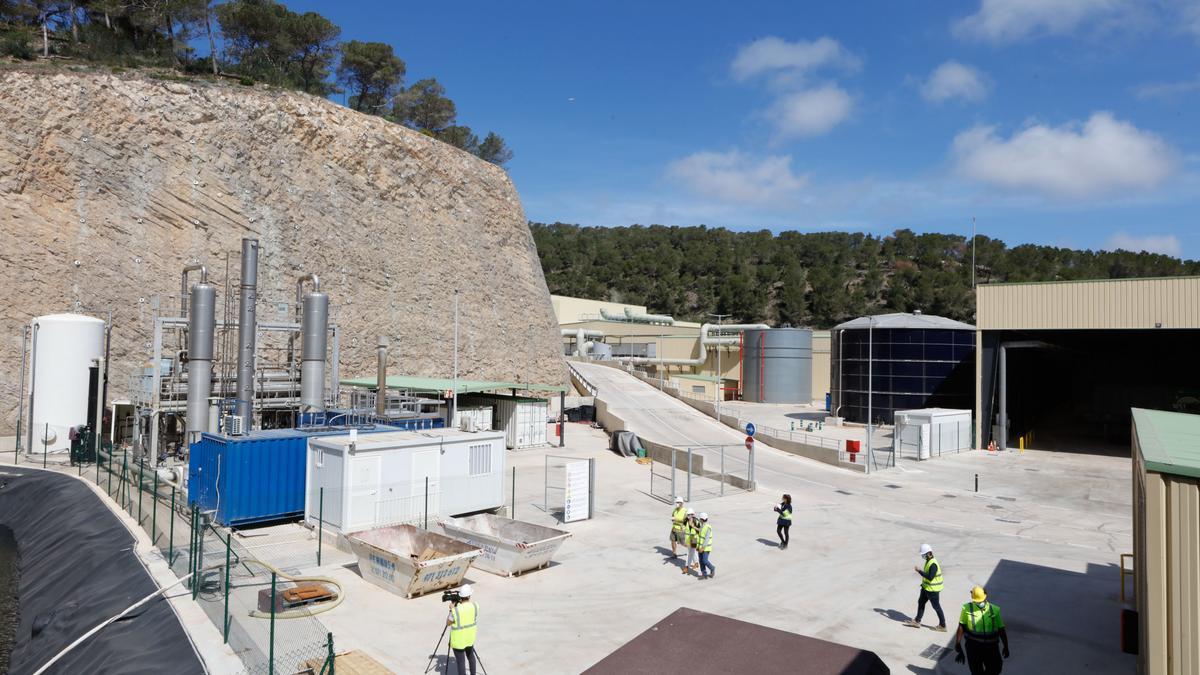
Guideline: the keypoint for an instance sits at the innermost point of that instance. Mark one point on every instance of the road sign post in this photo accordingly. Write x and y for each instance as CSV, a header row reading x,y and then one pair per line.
x,y
750,429
750,443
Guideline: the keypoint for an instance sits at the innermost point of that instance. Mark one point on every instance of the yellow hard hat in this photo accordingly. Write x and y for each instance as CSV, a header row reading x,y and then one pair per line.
x,y
978,594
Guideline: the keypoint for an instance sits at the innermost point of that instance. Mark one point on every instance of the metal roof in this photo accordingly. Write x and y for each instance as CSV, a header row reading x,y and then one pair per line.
x,y
442,384
903,320
1169,441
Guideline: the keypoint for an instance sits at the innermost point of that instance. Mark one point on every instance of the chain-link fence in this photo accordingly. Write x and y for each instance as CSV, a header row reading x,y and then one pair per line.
x,y
701,472
265,614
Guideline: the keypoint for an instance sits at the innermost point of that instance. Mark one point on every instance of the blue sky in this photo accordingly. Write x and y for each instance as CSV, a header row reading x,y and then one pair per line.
x,y
1063,122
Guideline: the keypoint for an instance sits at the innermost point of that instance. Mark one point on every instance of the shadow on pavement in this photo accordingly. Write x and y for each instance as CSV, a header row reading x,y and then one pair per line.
x,y
768,542
892,614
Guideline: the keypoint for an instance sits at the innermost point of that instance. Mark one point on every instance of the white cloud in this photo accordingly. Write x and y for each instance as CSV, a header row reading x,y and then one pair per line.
x,y
1009,20
810,112
733,176
1167,244
1075,160
955,80
1167,89
795,59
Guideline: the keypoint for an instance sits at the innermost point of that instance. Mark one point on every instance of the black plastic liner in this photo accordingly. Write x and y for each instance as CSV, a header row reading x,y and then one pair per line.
x,y
78,568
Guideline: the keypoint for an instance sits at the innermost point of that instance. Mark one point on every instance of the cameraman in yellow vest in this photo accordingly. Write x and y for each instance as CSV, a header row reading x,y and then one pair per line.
x,y
463,615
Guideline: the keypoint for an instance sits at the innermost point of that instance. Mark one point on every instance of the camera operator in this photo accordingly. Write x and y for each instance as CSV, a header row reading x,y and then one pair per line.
x,y
463,614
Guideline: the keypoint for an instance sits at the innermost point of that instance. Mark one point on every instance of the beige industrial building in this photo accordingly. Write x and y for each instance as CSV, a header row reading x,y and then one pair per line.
x,y
1166,536
1060,364
607,323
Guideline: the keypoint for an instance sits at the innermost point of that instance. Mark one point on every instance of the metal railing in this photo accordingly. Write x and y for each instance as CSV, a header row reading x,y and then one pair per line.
x,y
701,472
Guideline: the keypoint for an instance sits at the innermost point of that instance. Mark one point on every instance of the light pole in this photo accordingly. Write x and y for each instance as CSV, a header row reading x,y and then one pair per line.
x,y
717,343
454,394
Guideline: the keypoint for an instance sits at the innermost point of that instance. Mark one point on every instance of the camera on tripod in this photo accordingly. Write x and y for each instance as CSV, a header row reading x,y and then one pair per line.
x,y
451,596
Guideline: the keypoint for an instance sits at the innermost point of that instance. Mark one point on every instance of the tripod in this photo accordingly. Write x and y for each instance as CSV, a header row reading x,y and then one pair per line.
x,y
433,655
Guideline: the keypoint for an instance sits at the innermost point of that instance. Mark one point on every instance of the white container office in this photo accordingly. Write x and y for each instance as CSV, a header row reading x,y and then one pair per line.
x,y
66,349
362,482
931,432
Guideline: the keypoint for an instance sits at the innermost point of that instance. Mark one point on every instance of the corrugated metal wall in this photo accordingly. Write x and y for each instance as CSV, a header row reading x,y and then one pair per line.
x,y
1118,303
1167,560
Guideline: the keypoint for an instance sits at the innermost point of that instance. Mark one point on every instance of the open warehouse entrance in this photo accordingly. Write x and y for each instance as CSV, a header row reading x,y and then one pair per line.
x,y
1073,390
1062,363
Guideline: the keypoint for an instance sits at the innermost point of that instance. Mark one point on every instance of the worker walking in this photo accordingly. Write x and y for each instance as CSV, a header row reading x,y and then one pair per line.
x,y
784,522
931,589
691,532
983,628
704,545
678,536
463,616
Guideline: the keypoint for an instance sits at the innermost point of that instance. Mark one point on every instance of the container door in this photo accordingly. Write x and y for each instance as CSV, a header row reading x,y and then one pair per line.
x,y
364,492
426,464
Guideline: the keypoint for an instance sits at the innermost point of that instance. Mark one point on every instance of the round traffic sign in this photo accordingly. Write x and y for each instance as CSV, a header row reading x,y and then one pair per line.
x,y
749,443
750,429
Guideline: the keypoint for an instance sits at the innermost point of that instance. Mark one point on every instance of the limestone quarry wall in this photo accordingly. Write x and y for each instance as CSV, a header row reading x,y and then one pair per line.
x,y
109,184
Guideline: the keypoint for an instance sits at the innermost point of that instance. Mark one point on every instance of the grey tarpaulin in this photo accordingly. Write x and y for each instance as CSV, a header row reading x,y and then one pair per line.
x,y
626,443
78,568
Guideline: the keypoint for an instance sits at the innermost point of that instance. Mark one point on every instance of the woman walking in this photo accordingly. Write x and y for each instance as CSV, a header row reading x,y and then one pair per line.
x,y
784,522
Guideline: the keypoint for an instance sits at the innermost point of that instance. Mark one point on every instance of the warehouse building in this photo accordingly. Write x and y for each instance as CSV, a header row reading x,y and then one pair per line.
x,y
1061,363
617,331
1166,540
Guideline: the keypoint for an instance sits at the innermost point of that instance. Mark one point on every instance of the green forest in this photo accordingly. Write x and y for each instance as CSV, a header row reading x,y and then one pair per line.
x,y
249,41
816,279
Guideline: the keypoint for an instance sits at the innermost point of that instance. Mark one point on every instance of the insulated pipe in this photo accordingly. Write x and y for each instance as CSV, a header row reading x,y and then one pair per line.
x,y
611,317
705,341
581,335
381,377
247,330
183,287
314,332
648,318
201,332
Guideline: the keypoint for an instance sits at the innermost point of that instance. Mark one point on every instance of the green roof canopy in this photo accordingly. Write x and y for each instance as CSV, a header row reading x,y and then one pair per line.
x,y
443,384
1169,441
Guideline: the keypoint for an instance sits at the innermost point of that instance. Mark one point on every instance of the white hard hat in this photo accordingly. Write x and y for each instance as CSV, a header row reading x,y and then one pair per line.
x,y
691,512
926,549
465,591
703,516
679,500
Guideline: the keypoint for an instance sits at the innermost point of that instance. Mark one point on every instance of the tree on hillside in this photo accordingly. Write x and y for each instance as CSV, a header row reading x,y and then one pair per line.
x,y
493,149
256,38
313,40
460,137
425,107
371,72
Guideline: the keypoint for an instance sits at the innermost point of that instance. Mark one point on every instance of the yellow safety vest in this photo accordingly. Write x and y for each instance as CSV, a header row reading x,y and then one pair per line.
x,y
693,535
935,584
705,537
462,631
786,513
677,518
981,623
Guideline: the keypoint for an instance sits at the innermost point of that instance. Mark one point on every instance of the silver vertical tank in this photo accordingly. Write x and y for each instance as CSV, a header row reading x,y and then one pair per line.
x,y
777,365
247,325
201,321
314,329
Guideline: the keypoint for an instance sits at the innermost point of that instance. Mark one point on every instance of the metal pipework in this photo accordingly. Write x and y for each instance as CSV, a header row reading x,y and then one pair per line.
x,y
648,318
247,324
314,332
183,287
706,341
381,377
316,286
201,333
581,335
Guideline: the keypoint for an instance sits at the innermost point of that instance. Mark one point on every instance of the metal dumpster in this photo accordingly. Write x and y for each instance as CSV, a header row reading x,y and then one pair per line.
x,y
409,561
509,546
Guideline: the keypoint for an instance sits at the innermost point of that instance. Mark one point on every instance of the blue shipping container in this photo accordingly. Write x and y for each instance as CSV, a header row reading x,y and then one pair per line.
x,y
253,478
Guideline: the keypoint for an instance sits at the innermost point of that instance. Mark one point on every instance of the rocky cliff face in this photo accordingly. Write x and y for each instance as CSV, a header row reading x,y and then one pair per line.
x,y
110,184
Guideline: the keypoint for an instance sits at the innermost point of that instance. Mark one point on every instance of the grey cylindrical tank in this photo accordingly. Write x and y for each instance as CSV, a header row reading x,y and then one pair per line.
x,y
201,322
314,329
247,326
777,365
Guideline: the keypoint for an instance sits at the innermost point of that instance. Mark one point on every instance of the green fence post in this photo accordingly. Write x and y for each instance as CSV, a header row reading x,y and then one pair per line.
x,y
141,482
426,517
171,539
320,523
329,659
228,551
192,554
109,470
154,514
123,489
271,648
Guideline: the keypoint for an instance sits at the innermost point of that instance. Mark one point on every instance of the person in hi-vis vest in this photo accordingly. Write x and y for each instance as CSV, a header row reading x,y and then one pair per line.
x,y
463,615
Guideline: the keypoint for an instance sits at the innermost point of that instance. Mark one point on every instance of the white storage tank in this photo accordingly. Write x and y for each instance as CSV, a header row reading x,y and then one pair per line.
x,y
360,482
65,349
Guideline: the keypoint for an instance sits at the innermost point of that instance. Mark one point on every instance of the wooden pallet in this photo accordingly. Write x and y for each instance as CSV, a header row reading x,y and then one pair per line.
x,y
350,663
